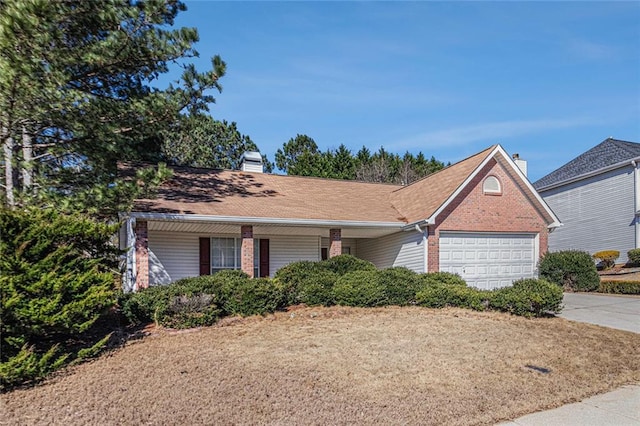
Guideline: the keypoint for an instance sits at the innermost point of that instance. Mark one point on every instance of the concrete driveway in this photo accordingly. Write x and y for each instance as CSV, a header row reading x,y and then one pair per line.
x,y
621,312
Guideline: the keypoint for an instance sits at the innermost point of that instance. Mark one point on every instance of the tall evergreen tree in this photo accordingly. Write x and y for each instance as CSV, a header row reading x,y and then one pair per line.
x,y
300,156
76,90
200,141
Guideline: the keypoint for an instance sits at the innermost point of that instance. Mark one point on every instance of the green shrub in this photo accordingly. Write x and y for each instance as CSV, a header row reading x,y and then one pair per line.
x,y
528,297
141,307
442,278
347,263
634,256
56,282
607,258
298,274
620,287
441,295
572,270
360,288
400,284
253,296
316,289
186,303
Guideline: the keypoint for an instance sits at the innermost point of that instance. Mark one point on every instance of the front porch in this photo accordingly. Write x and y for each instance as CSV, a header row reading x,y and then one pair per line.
x,y
163,250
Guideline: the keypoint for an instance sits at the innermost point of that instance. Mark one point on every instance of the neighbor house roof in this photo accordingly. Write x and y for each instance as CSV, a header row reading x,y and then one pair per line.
x,y
608,153
236,194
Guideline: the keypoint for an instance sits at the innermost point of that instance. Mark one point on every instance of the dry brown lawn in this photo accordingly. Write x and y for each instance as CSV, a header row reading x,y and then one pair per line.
x,y
339,366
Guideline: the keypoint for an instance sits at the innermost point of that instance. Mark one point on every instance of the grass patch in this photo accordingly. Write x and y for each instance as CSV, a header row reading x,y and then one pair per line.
x,y
340,365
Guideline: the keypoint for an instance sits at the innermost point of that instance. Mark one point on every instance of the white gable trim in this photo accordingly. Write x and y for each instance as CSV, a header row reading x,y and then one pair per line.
x,y
431,220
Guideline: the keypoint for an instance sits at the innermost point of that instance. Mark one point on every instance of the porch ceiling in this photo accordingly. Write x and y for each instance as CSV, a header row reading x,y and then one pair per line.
x,y
266,230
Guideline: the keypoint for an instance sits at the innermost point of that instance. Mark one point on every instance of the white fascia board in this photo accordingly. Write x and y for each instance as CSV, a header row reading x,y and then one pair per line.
x,y
498,149
590,174
246,220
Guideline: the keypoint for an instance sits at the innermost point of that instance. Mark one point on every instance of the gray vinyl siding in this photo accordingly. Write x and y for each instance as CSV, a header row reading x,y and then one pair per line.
x,y
400,249
175,255
598,213
286,249
172,256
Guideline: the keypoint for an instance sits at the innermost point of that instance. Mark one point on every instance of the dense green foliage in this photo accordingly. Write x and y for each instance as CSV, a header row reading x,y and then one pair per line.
x,y
442,278
312,282
607,258
400,284
77,94
528,297
189,302
634,256
199,301
301,156
619,287
200,141
257,296
360,288
442,295
316,288
572,270
347,263
57,278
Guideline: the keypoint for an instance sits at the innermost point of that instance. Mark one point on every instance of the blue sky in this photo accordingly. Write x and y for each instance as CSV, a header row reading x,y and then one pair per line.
x,y
547,80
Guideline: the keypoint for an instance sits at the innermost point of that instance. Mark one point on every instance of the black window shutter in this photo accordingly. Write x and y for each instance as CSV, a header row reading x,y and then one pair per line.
x,y
264,257
205,256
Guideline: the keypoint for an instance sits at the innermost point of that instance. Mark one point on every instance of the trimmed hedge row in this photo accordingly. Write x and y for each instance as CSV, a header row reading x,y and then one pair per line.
x,y
343,280
620,287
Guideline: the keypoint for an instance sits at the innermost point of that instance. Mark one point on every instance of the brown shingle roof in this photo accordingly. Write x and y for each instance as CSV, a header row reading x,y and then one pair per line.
x,y
421,199
244,194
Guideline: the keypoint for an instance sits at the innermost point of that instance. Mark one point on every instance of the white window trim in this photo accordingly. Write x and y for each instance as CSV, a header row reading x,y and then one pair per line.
x,y
237,258
491,191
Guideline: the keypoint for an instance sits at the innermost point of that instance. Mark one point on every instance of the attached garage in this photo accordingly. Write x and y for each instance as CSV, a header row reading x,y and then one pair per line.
x,y
488,260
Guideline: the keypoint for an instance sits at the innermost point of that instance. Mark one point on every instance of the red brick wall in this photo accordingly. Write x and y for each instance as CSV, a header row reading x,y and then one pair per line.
x,y
142,255
335,242
246,250
474,211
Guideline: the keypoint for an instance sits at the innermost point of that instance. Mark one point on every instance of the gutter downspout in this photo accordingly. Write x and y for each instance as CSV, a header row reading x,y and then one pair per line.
x,y
636,196
425,245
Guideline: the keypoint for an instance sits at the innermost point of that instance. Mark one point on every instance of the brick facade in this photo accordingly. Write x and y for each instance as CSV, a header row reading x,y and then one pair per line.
x,y
246,250
335,242
474,211
142,255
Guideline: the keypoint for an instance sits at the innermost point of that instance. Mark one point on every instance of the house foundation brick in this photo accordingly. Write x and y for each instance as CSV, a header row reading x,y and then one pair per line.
x,y
335,242
246,250
142,255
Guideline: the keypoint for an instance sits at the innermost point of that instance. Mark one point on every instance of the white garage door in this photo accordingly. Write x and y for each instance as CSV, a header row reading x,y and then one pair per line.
x,y
488,261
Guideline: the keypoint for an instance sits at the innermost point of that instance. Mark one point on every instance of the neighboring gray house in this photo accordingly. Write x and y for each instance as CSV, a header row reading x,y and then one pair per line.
x,y
597,197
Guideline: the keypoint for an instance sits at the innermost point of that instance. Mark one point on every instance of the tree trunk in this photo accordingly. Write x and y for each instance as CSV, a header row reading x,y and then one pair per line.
x,y
8,146
27,161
